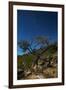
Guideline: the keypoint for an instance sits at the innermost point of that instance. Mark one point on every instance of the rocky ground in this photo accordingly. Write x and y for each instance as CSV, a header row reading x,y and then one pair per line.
x,y
45,68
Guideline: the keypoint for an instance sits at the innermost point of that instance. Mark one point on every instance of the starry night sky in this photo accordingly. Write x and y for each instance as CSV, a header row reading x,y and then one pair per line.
x,y
36,23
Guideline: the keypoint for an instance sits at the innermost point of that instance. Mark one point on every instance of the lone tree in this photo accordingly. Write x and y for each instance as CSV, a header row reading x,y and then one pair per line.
x,y
39,43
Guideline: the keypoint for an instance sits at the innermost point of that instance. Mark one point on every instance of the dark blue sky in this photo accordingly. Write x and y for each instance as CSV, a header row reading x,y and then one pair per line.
x,y
36,23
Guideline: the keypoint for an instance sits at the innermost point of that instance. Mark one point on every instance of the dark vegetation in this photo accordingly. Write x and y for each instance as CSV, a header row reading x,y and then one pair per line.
x,y
40,61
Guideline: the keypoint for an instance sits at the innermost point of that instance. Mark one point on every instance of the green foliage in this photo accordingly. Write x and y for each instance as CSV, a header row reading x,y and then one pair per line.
x,y
28,60
19,62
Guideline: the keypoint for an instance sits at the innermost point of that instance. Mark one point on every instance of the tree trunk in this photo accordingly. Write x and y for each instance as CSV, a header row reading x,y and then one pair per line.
x,y
36,61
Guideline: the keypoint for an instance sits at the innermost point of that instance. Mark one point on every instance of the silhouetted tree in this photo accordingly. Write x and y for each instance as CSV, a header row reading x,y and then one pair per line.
x,y
38,43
